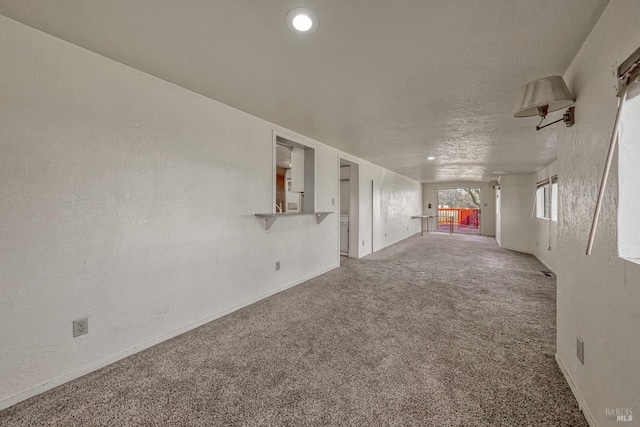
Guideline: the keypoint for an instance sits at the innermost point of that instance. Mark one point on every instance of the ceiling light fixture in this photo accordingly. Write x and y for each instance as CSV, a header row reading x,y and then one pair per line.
x,y
431,158
544,96
302,20
302,23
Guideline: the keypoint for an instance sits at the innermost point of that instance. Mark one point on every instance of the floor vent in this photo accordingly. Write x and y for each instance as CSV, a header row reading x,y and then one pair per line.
x,y
547,273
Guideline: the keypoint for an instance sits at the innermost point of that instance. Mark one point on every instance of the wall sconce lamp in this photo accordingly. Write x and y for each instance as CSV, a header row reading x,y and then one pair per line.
x,y
544,96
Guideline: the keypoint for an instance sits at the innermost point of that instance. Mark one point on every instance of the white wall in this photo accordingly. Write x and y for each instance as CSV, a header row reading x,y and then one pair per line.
x,y
517,226
394,200
546,244
598,295
488,216
131,200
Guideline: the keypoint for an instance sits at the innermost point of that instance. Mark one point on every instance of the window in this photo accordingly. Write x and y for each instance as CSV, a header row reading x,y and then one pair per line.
x,y
547,199
554,198
542,199
629,177
626,131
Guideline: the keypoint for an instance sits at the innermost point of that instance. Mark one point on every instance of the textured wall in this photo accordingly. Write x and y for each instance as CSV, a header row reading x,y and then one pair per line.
x,y
398,205
598,296
132,201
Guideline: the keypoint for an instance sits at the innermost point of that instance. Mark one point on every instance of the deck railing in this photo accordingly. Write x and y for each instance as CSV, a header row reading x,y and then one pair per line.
x,y
459,216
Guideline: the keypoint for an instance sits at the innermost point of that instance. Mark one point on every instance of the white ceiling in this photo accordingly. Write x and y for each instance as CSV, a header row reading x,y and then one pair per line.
x,y
388,81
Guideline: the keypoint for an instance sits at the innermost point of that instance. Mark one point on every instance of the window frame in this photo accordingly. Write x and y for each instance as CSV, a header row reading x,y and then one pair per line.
x,y
543,209
628,236
554,199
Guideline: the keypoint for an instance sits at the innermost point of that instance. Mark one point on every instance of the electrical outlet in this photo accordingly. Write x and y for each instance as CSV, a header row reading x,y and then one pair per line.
x,y
580,349
363,243
333,202
80,327
277,265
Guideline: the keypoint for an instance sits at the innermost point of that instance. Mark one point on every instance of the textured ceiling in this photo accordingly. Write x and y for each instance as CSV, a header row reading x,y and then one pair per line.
x,y
388,81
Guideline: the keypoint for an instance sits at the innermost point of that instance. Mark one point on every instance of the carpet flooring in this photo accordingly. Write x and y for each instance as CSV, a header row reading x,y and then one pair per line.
x,y
437,330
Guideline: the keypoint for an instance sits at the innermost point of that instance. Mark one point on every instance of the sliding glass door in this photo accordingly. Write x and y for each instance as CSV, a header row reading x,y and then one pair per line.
x,y
459,210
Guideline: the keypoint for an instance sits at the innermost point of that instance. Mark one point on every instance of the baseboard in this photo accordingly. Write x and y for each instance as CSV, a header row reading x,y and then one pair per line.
x,y
388,244
417,233
576,393
516,250
48,385
546,265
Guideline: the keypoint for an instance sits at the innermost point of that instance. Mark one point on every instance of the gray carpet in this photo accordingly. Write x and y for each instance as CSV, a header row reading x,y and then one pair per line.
x,y
437,330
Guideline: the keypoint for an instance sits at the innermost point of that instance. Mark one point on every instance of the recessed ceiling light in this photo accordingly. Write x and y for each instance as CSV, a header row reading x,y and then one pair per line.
x,y
431,158
302,20
302,23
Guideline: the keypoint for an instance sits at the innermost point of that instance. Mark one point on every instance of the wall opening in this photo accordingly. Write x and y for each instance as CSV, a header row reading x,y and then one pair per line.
x,y
345,202
349,205
294,172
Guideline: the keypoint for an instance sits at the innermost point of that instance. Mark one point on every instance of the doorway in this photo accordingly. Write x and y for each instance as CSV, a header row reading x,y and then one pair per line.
x,y
348,207
459,210
345,199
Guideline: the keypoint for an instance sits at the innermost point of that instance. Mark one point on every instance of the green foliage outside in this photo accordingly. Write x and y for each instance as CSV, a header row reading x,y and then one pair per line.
x,y
468,198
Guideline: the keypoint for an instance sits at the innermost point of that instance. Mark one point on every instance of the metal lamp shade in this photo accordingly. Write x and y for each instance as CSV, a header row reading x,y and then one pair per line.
x,y
551,91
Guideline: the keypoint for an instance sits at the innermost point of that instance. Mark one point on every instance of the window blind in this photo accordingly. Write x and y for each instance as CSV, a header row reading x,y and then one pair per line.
x,y
543,183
